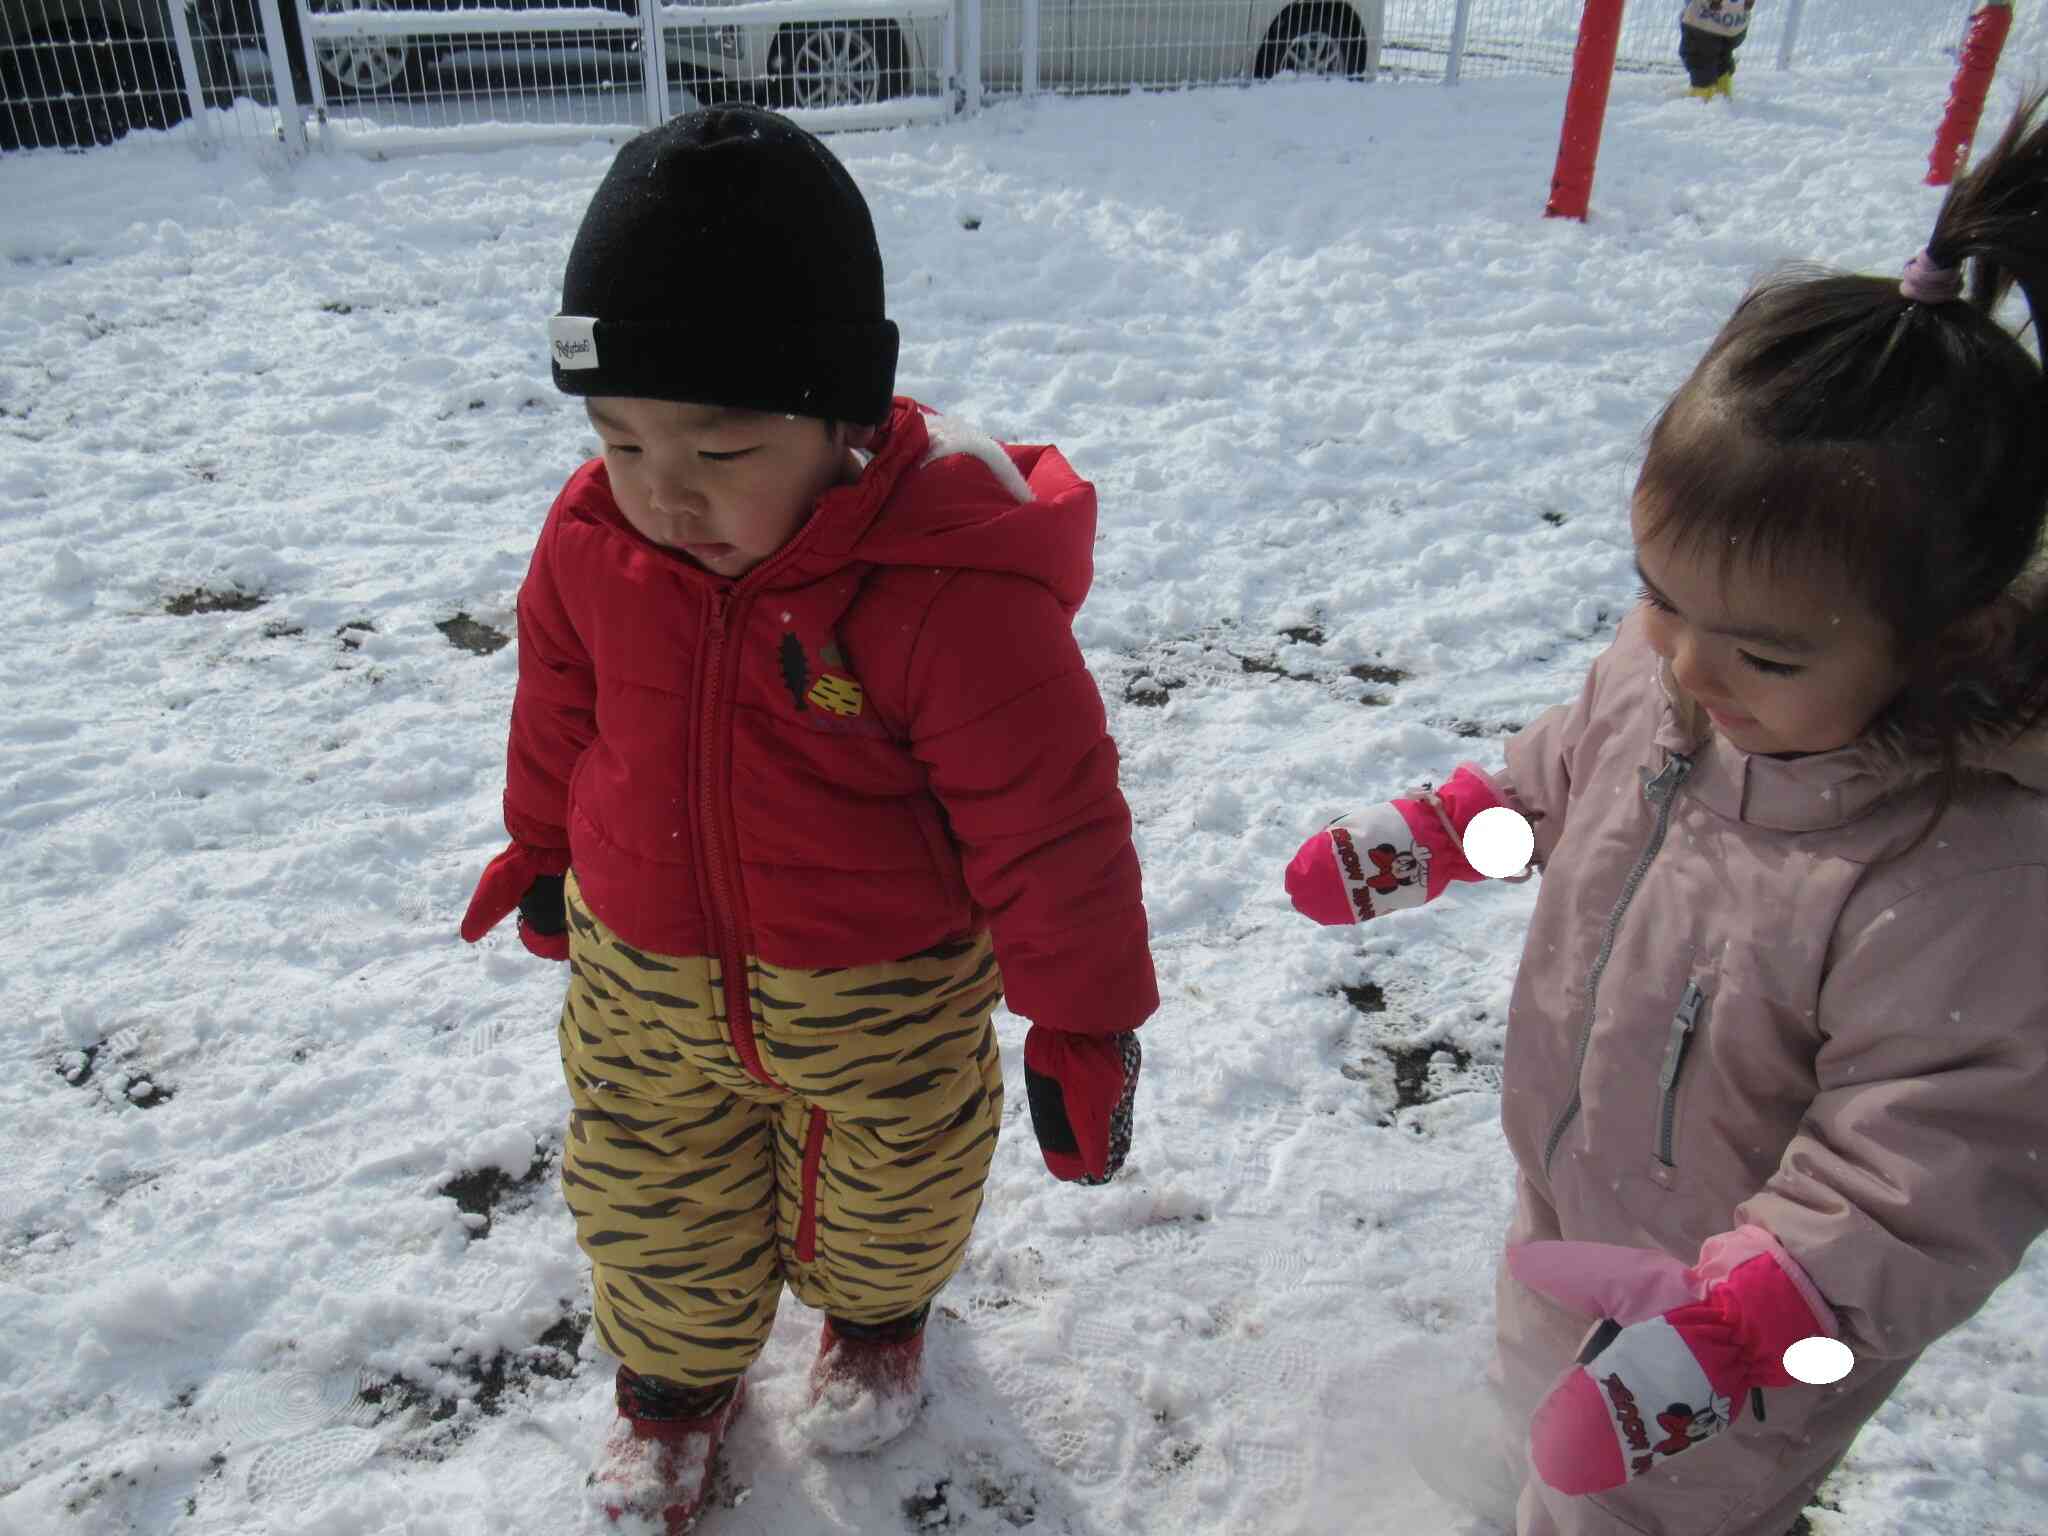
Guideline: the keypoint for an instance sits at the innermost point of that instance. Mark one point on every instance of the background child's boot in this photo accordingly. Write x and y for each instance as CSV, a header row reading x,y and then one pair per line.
x,y
656,1463
1701,92
1725,86
867,1383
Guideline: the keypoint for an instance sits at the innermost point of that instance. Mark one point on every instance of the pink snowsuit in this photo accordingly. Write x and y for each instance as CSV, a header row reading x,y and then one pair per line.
x,y
1729,1011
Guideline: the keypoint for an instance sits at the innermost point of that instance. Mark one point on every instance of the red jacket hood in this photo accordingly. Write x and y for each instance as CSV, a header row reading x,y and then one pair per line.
x,y
935,492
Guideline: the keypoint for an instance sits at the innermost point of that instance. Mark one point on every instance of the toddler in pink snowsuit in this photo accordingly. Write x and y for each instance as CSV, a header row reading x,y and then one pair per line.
x,y
1778,1046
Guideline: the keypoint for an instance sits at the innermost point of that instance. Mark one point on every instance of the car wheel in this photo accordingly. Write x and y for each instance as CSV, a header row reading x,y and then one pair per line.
x,y
836,64
362,66
1318,39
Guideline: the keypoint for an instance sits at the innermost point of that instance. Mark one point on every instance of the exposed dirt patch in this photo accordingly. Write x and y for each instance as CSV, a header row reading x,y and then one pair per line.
x,y
138,1087
348,632
948,1505
553,1355
466,634
487,1191
209,600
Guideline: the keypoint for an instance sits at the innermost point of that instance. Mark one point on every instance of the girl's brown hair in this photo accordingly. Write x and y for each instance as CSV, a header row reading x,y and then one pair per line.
x,y
1837,427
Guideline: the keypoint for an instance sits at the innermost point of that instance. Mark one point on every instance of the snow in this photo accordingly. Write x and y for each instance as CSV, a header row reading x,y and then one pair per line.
x,y
1363,425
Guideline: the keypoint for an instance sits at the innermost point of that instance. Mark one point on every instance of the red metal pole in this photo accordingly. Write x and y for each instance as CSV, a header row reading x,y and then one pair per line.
x,y
1585,108
1981,47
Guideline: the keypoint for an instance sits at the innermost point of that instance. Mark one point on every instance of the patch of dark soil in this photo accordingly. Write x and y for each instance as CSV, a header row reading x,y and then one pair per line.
x,y
1366,997
466,634
1470,729
553,1355
1149,692
1268,667
1307,635
346,634
78,1068
277,629
208,600
483,1191
1368,672
1411,1070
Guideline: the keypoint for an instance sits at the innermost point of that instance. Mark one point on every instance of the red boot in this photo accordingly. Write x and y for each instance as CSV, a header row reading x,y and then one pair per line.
x,y
867,1384
656,1466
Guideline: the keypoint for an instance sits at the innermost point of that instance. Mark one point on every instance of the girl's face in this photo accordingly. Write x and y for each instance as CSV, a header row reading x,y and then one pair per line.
x,y
725,487
1780,667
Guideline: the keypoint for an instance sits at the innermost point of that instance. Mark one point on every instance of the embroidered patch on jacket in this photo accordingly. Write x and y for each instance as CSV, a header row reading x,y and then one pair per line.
x,y
823,688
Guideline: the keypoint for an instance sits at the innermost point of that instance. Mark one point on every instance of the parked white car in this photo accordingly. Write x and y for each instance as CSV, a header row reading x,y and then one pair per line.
x,y
1089,43
833,63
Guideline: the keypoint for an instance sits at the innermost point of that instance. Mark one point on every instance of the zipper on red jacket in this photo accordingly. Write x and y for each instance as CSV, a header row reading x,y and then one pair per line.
x,y
807,1215
718,856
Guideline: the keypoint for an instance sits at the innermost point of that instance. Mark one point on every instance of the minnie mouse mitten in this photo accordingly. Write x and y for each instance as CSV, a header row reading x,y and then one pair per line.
x,y
1675,1356
1391,856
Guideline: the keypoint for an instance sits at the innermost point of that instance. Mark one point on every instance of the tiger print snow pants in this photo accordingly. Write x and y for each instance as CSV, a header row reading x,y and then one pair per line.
x,y
698,1189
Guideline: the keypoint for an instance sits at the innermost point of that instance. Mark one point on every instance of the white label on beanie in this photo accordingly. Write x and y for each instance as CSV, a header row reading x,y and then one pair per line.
x,y
573,340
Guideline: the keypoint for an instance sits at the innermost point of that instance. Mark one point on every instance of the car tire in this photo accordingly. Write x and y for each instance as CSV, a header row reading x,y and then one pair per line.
x,y
836,63
1323,37
365,67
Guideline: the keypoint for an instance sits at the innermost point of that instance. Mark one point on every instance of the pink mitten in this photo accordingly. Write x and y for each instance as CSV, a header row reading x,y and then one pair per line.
x,y
1390,856
1676,1354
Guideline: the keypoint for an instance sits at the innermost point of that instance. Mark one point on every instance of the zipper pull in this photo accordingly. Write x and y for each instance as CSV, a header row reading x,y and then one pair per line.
x,y
1756,1402
1683,1023
1659,789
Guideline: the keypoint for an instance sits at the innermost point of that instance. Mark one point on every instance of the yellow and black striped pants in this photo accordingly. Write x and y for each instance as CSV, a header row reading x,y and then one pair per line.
x,y
698,1189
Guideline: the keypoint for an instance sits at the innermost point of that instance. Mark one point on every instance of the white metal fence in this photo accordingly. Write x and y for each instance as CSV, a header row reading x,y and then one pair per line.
x,y
386,73
1519,37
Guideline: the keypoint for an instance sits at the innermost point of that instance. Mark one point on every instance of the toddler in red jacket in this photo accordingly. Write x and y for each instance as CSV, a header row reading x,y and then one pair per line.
x,y
807,774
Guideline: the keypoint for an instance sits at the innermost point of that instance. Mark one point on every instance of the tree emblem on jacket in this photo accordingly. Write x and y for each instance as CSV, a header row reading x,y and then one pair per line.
x,y
833,691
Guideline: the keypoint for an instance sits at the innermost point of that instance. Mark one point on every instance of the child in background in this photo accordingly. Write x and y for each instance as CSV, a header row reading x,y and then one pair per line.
x,y
1777,1053
1709,32
806,773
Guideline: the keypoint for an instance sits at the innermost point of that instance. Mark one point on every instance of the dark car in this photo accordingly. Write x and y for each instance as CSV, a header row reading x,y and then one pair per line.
x,y
76,72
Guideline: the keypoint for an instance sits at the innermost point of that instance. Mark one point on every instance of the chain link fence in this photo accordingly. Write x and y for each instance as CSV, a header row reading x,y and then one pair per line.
x,y
1095,45
386,73
1438,39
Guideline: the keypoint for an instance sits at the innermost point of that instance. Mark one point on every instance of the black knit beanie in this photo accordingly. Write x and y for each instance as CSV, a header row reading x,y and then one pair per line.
x,y
728,259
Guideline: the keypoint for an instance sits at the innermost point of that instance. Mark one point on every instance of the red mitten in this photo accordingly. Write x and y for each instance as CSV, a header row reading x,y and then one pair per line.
x,y
1391,856
519,877
1081,1089
1678,1350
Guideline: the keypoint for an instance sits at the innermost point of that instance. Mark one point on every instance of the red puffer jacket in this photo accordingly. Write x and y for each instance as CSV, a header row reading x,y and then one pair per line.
x,y
881,736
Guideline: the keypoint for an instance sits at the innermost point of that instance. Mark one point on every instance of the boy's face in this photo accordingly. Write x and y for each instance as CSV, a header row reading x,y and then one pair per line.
x,y
725,487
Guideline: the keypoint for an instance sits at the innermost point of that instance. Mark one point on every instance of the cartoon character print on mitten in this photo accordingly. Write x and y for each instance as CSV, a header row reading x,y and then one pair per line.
x,y
1398,867
1398,877
1685,1427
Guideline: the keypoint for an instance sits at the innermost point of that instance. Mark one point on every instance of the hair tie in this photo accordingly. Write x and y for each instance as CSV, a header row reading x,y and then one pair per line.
x,y
1926,281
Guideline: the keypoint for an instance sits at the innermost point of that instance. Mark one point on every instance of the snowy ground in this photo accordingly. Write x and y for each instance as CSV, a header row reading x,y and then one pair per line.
x,y
280,1248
